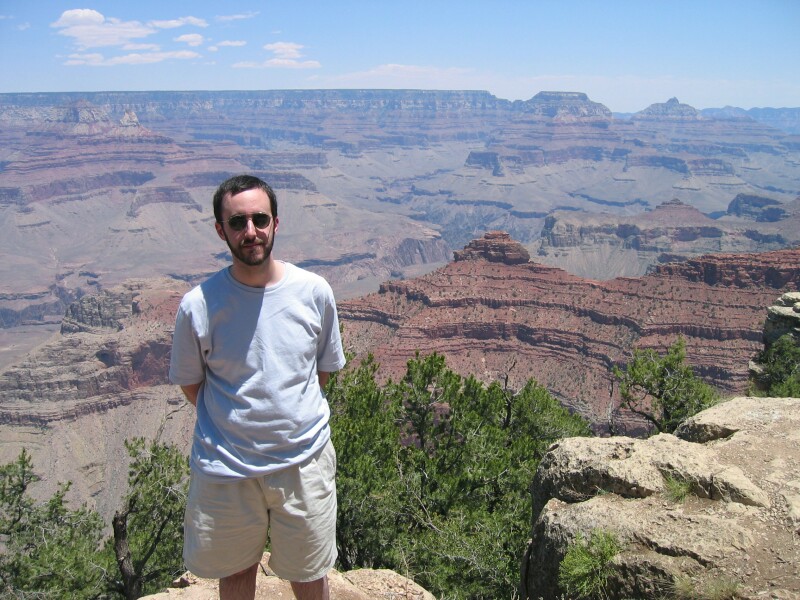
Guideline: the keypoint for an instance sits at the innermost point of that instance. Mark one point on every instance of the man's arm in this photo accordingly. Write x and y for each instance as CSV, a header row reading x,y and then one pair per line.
x,y
323,378
191,391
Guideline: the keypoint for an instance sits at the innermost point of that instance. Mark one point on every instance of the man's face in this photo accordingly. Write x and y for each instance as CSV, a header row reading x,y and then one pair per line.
x,y
251,246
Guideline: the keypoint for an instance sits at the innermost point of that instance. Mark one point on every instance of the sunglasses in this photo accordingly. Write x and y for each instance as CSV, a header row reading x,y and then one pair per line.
x,y
239,222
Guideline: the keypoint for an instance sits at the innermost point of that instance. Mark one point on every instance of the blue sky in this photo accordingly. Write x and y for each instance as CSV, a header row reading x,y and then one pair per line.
x,y
625,54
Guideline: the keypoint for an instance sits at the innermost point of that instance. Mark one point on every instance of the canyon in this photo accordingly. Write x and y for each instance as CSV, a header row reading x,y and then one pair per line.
x,y
374,184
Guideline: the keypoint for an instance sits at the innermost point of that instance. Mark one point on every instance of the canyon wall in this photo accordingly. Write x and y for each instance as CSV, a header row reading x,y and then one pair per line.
x,y
495,315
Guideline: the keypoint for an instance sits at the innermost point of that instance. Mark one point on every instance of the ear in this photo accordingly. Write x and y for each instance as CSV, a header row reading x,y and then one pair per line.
x,y
275,226
220,231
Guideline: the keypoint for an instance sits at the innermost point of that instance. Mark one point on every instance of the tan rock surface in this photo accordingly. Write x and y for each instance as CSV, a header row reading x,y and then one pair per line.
x,y
739,522
363,584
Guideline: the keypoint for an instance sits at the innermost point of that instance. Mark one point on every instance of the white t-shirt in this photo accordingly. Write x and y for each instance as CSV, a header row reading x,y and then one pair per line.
x,y
257,352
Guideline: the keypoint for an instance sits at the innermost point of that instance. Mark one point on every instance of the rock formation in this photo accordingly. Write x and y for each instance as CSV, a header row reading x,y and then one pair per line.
x,y
494,316
494,246
738,525
671,109
783,318
757,208
361,584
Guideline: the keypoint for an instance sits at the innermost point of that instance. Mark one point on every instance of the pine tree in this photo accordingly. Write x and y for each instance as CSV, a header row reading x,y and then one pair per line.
x,y
663,389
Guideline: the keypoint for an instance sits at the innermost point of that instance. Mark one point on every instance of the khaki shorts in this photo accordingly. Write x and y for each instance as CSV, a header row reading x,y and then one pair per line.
x,y
226,524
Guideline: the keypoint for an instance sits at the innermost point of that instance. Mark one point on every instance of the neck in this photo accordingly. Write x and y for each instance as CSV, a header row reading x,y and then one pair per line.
x,y
263,275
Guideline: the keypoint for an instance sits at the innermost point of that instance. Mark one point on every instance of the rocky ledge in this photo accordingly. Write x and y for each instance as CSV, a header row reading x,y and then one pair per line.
x,y
737,526
362,584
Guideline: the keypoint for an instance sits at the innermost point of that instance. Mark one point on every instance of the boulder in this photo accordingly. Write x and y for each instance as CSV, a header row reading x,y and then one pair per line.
x,y
782,318
738,524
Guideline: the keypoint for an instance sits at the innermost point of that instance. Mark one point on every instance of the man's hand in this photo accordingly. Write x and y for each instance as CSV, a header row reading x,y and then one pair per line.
x,y
191,391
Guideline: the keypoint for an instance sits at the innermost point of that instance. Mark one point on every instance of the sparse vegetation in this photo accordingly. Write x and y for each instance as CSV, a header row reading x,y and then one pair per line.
x,y
683,588
676,490
586,567
719,588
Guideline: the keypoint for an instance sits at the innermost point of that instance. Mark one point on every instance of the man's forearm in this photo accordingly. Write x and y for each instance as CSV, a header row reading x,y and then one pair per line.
x,y
323,378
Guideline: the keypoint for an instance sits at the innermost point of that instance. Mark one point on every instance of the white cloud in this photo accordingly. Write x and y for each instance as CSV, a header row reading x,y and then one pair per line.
x,y
90,29
173,23
98,60
238,17
287,55
285,49
193,39
95,59
23,26
227,44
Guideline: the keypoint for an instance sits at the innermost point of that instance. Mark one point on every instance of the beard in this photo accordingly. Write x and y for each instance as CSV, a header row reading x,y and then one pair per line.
x,y
253,254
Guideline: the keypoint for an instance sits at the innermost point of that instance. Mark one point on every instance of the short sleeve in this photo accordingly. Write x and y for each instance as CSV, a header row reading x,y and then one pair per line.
x,y
330,355
186,365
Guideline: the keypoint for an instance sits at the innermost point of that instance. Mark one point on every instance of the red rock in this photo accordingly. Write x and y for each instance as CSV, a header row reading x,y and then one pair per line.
x,y
492,319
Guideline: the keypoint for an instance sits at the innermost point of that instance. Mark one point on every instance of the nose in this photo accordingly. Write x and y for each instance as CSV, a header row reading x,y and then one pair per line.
x,y
249,228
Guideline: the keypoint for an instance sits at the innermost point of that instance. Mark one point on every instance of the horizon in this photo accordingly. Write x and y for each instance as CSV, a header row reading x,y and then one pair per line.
x,y
626,55
414,90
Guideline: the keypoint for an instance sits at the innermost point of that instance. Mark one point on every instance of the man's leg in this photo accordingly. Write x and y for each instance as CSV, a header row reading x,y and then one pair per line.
x,y
239,586
303,524
311,590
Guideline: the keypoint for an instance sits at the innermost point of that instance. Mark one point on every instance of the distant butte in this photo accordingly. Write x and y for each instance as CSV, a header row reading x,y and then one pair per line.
x,y
494,246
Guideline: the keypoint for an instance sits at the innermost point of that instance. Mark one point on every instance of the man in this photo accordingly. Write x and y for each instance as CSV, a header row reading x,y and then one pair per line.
x,y
253,348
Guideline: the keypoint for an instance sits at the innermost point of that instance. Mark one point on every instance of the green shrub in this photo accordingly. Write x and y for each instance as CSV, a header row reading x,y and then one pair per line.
x,y
780,377
586,567
48,551
676,490
433,474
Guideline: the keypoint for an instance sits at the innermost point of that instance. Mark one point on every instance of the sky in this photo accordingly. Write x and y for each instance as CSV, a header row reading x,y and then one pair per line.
x,y
624,54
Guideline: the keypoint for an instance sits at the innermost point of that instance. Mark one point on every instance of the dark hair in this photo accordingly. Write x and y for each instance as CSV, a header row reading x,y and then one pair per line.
x,y
241,183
